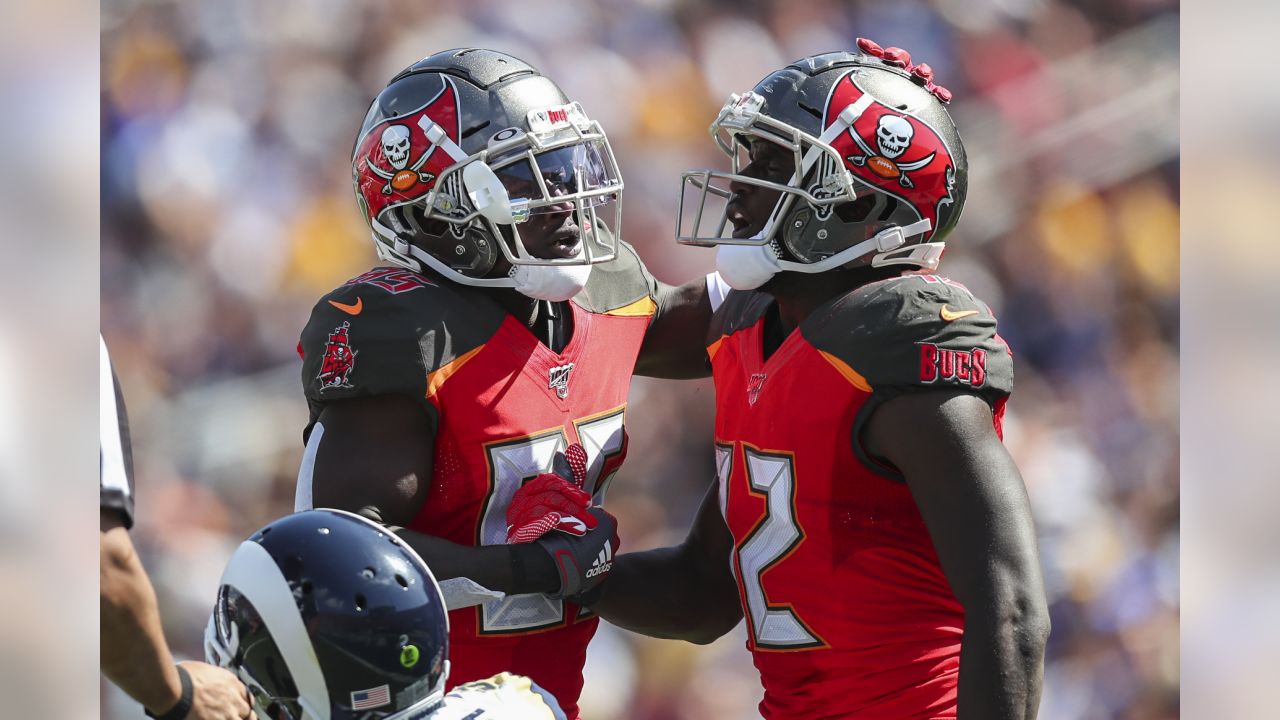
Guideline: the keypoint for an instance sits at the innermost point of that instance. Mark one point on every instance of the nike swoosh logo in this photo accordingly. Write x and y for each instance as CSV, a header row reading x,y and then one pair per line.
x,y
358,305
949,315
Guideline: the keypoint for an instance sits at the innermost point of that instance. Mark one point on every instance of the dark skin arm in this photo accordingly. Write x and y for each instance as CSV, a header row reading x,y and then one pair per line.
x,y
684,592
375,459
975,505
675,344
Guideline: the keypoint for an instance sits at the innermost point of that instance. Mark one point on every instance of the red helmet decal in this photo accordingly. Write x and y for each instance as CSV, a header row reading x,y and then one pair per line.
x,y
396,163
894,152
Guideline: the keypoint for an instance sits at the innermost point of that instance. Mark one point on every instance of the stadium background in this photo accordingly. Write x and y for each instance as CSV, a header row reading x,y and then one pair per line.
x,y
226,131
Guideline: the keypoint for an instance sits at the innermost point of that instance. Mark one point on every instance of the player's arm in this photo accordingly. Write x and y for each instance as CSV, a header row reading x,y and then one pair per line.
x,y
675,343
684,592
975,505
373,456
134,654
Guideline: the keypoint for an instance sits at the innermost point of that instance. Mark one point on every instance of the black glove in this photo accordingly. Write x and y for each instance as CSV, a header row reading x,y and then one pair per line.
x,y
583,562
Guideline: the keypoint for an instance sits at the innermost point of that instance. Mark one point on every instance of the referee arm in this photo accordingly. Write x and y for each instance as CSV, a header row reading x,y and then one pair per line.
x,y
134,653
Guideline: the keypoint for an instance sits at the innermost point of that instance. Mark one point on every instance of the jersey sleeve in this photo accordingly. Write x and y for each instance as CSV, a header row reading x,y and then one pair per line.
x,y
502,697
915,333
115,456
387,336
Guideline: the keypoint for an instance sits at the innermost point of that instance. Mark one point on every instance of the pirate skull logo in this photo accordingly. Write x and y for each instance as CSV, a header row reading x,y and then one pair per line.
x,y
395,146
893,135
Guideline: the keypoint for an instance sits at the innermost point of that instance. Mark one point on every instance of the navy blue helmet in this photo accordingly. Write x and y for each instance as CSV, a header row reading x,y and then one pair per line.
x,y
327,616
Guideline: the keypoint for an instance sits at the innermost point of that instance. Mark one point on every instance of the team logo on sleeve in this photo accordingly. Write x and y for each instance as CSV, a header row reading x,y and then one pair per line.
x,y
967,367
339,359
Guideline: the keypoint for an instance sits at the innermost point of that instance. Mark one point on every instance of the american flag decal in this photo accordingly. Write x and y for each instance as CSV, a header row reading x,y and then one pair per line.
x,y
371,698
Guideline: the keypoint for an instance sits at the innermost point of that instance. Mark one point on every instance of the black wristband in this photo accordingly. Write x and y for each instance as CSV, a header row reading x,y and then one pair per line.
x,y
183,708
532,570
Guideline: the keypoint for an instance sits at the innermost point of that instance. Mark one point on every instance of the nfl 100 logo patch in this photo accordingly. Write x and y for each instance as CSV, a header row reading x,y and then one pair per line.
x,y
558,380
755,384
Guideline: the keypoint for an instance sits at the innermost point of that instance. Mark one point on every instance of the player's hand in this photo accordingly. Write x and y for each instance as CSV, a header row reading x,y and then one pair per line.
x,y
552,501
583,562
217,694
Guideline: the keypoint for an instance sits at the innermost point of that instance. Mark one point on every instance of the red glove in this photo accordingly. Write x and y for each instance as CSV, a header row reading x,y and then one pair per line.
x,y
552,501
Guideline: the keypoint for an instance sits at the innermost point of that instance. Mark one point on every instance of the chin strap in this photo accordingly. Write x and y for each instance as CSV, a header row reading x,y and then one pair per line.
x,y
882,243
555,283
392,248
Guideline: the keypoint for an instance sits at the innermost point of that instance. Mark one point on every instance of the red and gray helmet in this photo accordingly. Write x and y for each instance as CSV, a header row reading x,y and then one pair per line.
x,y
881,172
461,148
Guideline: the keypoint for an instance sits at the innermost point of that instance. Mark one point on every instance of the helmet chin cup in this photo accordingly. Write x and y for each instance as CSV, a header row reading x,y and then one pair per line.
x,y
487,193
746,267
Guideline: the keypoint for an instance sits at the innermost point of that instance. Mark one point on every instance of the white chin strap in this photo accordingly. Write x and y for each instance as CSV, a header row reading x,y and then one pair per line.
x,y
553,283
747,267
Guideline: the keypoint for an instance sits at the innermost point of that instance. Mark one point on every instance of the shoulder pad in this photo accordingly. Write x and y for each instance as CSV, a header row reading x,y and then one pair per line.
x,y
622,286
915,330
384,331
740,309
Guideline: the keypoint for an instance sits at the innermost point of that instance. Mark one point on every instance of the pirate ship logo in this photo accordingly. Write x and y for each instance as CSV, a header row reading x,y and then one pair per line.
x,y
339,359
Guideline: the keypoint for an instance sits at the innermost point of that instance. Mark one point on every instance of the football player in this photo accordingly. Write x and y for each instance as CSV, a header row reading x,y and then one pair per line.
x,y
867,520
505,326
327,616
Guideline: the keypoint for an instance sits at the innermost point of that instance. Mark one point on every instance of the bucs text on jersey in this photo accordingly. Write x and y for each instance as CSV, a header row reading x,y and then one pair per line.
x,y
502,404
849,613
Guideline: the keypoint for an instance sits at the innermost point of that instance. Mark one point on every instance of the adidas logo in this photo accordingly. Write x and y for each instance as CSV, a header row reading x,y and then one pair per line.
x,y
603,562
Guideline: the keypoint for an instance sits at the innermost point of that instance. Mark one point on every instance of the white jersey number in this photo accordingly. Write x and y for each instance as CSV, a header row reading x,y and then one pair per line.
x,y
511,464
772,626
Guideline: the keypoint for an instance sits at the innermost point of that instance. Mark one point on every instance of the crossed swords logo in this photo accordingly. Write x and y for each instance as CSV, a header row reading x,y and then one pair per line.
x,y
893,136
395,148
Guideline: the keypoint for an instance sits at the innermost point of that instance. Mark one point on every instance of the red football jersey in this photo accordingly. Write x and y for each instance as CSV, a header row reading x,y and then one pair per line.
x,y
510,406
848,611
503,404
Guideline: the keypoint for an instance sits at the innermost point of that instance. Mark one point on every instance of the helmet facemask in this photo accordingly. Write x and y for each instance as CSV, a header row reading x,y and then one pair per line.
x,y
821,208
523,183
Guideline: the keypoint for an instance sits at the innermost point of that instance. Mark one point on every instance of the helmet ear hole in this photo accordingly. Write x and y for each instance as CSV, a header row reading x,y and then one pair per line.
x,y
890,205
858,210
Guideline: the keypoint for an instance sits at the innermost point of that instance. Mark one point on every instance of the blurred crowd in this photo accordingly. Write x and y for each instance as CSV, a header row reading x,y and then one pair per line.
x,y
227,210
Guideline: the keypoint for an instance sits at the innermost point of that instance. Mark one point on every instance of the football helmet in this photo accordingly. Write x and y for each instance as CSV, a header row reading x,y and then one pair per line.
x,y
880,170
327,616
465,148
